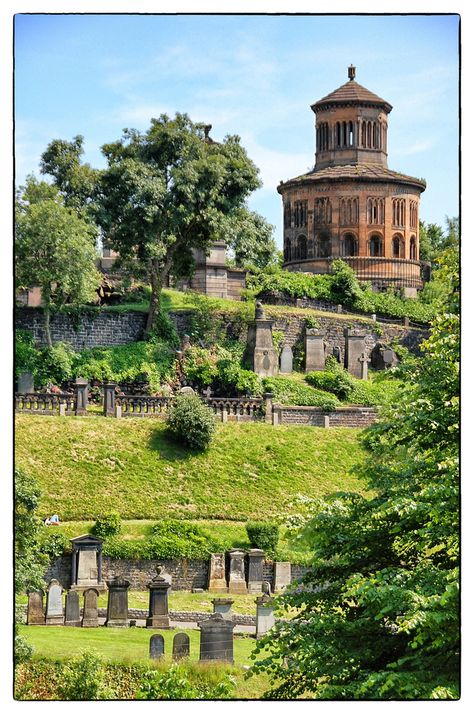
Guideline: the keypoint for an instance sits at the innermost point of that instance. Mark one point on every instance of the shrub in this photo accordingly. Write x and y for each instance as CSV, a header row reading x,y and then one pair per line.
x,y
234,380
334,379
26,355
263,535
165,329
23,651
55,364
190,422
84,678
288,391
54,543
176,683
107,525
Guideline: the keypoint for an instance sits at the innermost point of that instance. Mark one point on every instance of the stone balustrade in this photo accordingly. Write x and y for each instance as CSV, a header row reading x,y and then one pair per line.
x,y
142,406
46,403
237,408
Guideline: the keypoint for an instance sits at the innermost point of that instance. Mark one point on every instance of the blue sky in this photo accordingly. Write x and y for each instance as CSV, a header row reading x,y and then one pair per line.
x,y
255,76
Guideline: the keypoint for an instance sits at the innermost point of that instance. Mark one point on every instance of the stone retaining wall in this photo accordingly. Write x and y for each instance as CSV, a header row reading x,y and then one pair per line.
x,y
358,417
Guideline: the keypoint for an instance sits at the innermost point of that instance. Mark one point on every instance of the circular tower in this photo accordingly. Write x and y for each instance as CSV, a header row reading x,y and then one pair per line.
x,y
351,205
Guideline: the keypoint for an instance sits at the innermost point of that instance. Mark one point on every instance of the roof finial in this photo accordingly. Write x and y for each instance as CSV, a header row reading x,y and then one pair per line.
x,y
351,72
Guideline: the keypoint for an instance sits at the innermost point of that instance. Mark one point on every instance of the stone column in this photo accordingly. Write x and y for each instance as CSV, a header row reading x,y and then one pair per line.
x,y
237,582
260,355
265,616
74,564
117,603
99,563
217,581
216,639
315,351
256,557
223,605
109,399
81,389
158,616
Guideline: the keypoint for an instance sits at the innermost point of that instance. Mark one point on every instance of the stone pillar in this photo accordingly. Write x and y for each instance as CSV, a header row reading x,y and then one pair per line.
x,y
265,616
355,347
267,397
315,351
35,611
282,576
158,616
74,565
90,615
216,639
237,582
117,603
109,399
260,354
54,604
73,617
81,389
217,581
223,605
256,557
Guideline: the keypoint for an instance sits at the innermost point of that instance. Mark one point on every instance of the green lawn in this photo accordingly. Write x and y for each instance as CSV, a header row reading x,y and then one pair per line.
x,y
89,466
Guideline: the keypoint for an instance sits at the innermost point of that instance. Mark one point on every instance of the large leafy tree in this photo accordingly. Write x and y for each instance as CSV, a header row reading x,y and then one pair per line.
x,y
434,240
170,190
249,238
54,249
379,608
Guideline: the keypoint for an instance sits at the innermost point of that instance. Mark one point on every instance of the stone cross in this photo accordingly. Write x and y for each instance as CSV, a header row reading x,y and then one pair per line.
x,y
207,392
35,612
217,641
90,617
180,645
54,604
73,617
364,360
157,646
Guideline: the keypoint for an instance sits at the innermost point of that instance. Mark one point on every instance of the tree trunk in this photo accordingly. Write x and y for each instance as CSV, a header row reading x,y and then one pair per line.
x,y
155,297
47,330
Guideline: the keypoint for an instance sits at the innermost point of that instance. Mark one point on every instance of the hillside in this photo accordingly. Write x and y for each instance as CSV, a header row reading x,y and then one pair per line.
x,y
88,466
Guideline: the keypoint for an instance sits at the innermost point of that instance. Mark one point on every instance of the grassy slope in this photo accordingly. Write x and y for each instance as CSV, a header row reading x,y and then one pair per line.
x,y
88,466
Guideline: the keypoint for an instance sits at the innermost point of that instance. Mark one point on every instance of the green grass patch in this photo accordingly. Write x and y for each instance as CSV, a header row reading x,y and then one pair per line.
x,y
86,467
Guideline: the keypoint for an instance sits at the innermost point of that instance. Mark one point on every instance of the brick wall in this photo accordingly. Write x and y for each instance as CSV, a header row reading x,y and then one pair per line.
x,y
358,417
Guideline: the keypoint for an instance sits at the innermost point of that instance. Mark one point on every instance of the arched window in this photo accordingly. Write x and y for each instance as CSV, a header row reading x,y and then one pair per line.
x,y
397,242
413,248
351,134
375,245
349,244
302,247
364,134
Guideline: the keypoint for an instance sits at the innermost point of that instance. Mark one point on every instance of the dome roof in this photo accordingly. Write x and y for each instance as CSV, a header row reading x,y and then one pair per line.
x,y
354,172
351,93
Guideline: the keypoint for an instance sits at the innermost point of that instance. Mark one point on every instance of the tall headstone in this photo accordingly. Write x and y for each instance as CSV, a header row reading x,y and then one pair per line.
x,y
315,350
26,384
109,399
237,582
157,646
35,610
217,641
73,616
286,360
217,581
117,603
282,576
223,605
54,604
81,390
260,355
255,581
355,347
265,616
158,615
180,645
90,616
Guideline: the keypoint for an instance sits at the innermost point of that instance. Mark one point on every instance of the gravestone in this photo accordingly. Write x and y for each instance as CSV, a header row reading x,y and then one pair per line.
x,y
187,390
337,353
35,611
180,645
286,360
237,582
158,615
223,605
315,351
73,616
217,641
109,399
54,604
157,646
217,581
383,357
355,347
265,616
256,558
117,603
260,355
282,576
86,563
90,615
26,384
364,361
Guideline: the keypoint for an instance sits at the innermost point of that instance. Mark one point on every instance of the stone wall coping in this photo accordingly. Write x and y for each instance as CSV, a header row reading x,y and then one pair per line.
x,y
354,408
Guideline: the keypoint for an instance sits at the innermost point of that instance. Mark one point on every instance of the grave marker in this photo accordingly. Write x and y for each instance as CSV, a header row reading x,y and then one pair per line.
x,y
54,604
73,617
157,646
35,611
90,617
217,641
180,645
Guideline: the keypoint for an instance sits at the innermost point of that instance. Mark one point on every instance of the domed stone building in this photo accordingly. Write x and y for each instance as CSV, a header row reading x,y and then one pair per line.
x,y
351,205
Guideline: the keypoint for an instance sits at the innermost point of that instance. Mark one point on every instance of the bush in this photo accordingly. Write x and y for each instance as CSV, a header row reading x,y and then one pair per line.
x,y
55,364
107,525
54,543
288,391
26,354
23,651
176,683
84,678
190,422
170,538
263,535
219,368
334,379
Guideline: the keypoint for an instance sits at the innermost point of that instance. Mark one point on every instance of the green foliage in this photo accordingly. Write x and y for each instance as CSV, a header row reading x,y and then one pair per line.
x,y
219,368
278,339
334,379
312,322
263,534
25,352
23,651
383,621
29,560
107,525
84,678
55,364
250,240
345,288
286,390
54,543
164,329
190,422
175,683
